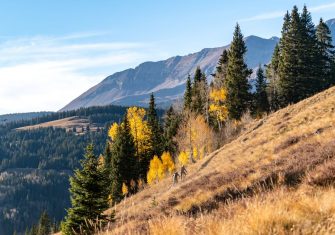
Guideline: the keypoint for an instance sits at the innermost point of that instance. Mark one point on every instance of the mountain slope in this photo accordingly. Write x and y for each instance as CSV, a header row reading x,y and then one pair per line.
x,y
272,179
165,78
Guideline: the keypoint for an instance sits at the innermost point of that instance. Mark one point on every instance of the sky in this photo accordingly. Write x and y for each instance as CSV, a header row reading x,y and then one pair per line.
x,y
53,51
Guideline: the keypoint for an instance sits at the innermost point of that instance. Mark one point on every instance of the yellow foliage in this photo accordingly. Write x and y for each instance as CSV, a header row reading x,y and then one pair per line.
x,y
155,169
202,153
167,162
159,168
218,95
217,106
139,129
112,132
183,158
195,153
194,134
124,189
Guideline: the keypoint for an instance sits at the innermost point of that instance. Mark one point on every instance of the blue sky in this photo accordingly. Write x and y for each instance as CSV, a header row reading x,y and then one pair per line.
x,y
52,51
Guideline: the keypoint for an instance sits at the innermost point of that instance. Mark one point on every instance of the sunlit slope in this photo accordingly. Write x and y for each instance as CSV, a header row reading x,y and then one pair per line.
x,y
276,177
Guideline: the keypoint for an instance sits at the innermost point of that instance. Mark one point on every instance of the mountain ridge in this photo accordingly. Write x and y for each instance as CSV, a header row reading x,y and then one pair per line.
x,y
166,78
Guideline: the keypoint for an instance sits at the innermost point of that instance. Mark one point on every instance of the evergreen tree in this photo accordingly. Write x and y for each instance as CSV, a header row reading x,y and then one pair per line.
x,y
326,50
261,103
312,66
155,128
299,64
33,230
171,124
124,165
289,67
221,70
89,196
273,77
188,94
200,88
236,84
108,165
197,76
44,224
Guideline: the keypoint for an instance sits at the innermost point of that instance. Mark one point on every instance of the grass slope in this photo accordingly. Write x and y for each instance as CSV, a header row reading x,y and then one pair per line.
x,y
65,123
277,177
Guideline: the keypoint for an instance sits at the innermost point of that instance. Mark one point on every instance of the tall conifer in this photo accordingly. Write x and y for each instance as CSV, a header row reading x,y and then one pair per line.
x,y
221,70
273,77
327,53
125,166
236,84
89,196
188,94
261,103
155,127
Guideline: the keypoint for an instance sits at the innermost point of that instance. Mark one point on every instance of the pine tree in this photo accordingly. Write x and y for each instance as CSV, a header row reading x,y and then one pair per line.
x,y
89,196
311,57
44,224
261,103
188,94
200,98
299,66
327,53
197,75
236,84
155,127
124,164
108,165
221,70
272,74
289,70
171,124
33,230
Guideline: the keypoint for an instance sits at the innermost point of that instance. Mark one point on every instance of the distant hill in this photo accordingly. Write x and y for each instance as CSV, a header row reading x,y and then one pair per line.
x,y
5,118
165,78
37,160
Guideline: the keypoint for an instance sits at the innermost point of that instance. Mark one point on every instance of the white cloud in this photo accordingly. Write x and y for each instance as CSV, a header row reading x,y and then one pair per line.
x,y
265,16
46,73
324,7
280,14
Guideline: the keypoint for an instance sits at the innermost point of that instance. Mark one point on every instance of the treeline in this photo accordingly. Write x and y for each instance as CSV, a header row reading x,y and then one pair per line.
x,y
99,115
45,226
140,150
35,166
303,62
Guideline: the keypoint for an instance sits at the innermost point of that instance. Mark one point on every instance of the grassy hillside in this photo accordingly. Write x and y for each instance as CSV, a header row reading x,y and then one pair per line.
x,y
277,177
69,124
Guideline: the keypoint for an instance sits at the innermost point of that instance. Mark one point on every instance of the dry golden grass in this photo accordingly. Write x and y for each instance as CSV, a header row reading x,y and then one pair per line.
x,y
65,123
270,180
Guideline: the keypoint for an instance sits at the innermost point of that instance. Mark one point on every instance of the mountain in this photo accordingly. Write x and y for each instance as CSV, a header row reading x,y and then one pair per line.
x,y
277,177
331,25
165,78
